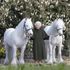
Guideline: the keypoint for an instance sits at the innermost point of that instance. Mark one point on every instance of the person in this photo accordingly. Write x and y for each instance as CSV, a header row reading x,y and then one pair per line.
x,y
38,42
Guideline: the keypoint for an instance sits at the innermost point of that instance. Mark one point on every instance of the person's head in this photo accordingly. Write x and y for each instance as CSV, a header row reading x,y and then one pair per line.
x,y
38,25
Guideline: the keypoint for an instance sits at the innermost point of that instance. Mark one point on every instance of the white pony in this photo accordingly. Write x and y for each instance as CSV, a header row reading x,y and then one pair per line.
x,y
55,32
17,38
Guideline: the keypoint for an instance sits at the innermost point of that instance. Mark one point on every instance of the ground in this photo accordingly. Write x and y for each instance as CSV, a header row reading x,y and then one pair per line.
x,y
30,65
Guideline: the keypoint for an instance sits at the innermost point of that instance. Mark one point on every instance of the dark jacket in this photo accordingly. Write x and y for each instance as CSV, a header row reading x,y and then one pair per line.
x,y
38,43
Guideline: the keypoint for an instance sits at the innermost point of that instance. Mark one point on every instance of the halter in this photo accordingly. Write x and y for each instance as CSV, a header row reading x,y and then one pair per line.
x,y
24,26
58,30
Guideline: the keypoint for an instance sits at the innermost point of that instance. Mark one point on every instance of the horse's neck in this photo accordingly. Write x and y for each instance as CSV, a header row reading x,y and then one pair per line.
x,y
20,25
20,29
52,30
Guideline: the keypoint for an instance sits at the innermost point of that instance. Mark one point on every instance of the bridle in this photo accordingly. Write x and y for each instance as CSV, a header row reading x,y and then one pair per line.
x,y
24,26
58,30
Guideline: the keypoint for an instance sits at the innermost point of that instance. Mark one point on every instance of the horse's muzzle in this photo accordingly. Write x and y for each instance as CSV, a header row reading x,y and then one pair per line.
x,y
30,34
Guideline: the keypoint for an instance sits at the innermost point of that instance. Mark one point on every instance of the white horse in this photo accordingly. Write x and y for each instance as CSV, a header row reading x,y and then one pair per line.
x,y
55,32
17,38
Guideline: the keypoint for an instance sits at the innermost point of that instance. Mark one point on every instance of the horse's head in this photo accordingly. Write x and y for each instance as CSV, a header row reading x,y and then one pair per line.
x,y
28,26
60,26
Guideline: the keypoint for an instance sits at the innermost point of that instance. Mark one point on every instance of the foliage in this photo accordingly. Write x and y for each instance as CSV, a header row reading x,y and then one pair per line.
x,y
13,11
2,51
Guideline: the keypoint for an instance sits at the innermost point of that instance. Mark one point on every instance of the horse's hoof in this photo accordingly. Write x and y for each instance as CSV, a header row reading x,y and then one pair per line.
x,y
6,62
50,62
54,61
61,61
46,61
21,62
14,63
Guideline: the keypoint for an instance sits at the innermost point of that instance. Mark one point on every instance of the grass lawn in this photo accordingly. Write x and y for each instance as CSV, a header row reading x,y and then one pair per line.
x,y
31,66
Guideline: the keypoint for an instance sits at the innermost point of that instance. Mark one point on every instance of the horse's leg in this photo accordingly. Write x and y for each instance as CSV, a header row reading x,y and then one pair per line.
x,y
60,54
14,59
50,54
21,59
6,61
47,49
53,53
